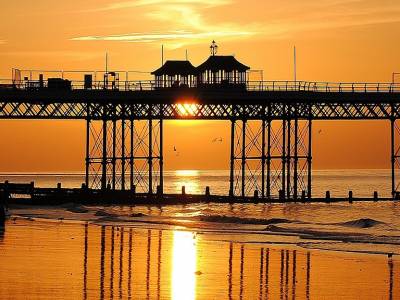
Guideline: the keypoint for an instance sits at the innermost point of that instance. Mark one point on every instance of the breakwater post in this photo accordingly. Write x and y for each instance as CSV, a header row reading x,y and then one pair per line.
x,y
3,201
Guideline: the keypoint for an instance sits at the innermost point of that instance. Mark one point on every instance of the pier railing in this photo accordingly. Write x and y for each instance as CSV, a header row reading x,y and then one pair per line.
x,y
256,86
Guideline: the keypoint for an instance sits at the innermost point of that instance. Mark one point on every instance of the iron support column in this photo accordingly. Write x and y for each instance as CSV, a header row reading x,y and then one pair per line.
x,y
161,155
309,158
296,158
123,153
232,162
263,159
283,158
244,158
289,158
269,160
393,160
87,170
150,156
131,154
104,159
114,139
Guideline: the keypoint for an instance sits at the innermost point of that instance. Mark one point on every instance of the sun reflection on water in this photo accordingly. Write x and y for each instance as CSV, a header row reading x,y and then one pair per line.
x,y
187,173
189,179
184,263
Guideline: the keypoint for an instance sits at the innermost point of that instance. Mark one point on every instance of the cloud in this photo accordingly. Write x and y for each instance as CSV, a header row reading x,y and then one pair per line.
x,y
130,4
167,36
186,15
197,21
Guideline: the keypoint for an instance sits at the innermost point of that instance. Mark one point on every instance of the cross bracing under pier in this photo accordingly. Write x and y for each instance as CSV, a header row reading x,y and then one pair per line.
x,y
271,128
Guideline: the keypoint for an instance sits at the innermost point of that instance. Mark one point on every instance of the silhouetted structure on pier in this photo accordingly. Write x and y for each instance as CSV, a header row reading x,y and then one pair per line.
x,y
271,121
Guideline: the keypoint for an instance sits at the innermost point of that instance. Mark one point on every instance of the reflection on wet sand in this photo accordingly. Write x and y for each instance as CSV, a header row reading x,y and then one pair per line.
x,y
85,261
184,263
390,263
127,263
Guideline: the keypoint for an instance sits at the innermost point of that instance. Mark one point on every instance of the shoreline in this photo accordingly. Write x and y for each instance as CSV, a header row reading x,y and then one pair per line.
x,y
351,235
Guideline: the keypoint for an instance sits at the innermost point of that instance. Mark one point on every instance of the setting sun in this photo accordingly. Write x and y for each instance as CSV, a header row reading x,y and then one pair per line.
x,y
187,110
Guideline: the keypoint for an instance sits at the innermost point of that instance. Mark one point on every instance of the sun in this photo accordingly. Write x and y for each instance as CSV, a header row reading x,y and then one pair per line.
x,y
187,110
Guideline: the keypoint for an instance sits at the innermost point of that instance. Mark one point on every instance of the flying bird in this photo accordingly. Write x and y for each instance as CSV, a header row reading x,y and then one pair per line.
x,y
217,140
176,151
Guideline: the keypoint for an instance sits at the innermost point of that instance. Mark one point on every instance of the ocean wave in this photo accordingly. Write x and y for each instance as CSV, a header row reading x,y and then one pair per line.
x,y
347,237
361,223
102,213
241,220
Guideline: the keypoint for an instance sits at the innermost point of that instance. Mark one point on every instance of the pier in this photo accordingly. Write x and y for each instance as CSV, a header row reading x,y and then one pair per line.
x,y
270,123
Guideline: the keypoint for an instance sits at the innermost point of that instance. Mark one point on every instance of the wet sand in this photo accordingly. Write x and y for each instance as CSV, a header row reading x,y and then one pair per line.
x,y
59,259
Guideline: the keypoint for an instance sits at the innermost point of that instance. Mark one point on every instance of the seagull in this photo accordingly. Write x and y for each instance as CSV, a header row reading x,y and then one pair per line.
x,y
217,140
176,152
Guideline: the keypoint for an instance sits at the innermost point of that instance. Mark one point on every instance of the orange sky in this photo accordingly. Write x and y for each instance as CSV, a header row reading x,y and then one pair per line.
x,y
336,40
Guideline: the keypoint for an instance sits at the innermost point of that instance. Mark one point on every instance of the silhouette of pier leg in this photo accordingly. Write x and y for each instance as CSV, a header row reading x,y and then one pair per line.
x,y
161,156
296,159
244,158
108,152
248,159
114,153
263,159
104,160
269,123
131,156
309,159
87,158
289,158
123,157
150,156
232,160
283,157
395,155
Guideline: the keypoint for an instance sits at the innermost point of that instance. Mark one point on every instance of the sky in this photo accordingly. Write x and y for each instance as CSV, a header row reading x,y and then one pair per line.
x,y
336,40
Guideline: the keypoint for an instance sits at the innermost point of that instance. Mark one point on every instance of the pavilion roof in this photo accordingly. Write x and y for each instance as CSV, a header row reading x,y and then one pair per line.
x,y
222,63
176,67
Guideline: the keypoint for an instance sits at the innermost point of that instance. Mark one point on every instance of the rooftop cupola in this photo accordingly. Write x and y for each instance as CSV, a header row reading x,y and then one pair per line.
x,y
223,70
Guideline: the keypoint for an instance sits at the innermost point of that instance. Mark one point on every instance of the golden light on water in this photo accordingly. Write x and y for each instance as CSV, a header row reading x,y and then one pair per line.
x,y
186,173
184,263
187,178
187,110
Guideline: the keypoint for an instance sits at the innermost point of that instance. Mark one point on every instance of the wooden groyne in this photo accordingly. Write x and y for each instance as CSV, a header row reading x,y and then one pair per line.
x,y
31,195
